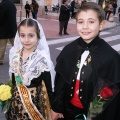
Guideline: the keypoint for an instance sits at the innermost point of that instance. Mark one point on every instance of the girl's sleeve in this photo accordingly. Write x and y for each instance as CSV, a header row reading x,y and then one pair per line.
x,y
48,84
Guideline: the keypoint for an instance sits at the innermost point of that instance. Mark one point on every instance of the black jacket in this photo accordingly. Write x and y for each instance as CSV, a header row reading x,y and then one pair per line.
x,y
105,65
8,26
72,5
114,5
27,7
64,13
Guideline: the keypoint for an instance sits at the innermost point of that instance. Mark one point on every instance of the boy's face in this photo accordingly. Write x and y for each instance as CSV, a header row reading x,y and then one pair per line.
x,y
88,25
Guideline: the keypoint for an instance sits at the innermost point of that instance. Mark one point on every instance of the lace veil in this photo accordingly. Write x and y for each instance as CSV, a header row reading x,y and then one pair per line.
x,y
42,46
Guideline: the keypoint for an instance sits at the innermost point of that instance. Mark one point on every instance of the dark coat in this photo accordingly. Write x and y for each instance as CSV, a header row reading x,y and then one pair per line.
x,y
72,5
27,7
105,65
64,13
8,26
34,7
114,5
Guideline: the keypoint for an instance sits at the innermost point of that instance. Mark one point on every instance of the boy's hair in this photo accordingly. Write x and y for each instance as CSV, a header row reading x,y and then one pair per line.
x,y
30,23
92,6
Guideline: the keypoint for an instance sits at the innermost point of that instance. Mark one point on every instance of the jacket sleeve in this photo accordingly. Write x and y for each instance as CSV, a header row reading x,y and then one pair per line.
x,y
57,104
1,15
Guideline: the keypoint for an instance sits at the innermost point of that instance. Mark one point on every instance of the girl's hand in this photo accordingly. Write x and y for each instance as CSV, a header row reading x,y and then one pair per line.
x,y
55,115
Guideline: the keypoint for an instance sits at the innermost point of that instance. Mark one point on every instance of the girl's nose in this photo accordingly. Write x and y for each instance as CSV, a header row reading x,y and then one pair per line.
x,y
26,39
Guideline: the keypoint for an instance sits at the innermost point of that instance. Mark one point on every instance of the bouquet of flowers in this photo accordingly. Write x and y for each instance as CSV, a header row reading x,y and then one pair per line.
x,y
5,94
102,96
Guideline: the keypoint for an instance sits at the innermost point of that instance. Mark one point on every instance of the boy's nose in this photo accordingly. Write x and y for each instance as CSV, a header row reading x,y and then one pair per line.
x,y
85,25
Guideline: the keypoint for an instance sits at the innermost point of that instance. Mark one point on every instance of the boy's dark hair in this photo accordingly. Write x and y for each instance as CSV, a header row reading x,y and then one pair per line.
x,y
92,6
64,1
30,23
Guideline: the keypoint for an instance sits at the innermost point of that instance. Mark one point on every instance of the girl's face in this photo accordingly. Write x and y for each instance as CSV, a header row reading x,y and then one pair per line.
x,y
88,25
28,38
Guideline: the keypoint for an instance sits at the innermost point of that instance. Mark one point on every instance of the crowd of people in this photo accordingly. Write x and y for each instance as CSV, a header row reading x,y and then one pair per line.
x,y
111,8
86,76
33,8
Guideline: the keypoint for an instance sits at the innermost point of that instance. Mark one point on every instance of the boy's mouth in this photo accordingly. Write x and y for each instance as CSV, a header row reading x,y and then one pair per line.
x,y
85,33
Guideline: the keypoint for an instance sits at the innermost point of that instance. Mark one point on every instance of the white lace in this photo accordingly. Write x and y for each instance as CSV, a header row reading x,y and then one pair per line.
x,y
42,46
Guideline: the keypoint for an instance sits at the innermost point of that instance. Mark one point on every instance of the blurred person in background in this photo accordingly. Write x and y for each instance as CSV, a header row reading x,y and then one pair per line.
x,y
34,9
119,13
114,5
72,8
8,26
27,8
64,17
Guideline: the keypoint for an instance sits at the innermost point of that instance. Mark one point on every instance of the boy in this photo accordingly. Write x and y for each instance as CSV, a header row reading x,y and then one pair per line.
x,y
79,66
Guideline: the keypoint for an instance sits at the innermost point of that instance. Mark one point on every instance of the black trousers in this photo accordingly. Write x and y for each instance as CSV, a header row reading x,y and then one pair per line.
x,y
33,15
73,13
27,14
63,24
114,11
73,113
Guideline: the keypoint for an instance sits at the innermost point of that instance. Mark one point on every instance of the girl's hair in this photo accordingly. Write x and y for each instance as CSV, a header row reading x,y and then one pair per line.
x,y
92,6
30,23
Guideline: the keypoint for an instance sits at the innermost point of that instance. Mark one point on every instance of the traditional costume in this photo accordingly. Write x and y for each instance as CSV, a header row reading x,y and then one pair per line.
x,y
30,98
80,67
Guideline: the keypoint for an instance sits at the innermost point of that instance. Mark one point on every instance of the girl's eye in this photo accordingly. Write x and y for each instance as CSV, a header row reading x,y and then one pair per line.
x,y
22,36
31,35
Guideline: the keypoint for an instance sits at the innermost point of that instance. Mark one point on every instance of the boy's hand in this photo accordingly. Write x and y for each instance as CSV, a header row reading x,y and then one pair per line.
x,y
55,115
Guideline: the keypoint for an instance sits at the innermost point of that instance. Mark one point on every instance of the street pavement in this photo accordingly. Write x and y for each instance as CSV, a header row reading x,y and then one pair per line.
x,y
50,24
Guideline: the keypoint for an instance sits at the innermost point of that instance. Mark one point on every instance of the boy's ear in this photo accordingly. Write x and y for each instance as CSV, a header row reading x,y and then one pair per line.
x,y
102,24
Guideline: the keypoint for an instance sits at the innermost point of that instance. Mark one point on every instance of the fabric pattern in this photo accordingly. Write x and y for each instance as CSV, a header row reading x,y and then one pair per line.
x,y
17,110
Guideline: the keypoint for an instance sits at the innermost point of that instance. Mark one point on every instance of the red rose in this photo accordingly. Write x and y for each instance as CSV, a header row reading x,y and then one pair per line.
x,y
106,93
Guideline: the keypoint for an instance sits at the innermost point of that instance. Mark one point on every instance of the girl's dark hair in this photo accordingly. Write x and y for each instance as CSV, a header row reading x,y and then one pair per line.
x,y
92,6
30,23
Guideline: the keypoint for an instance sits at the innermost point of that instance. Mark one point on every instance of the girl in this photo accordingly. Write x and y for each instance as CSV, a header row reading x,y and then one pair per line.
x,y
32,71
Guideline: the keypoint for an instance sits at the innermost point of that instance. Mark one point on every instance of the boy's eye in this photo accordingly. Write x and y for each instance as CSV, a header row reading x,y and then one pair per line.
x,y
91,21
80,22
31,35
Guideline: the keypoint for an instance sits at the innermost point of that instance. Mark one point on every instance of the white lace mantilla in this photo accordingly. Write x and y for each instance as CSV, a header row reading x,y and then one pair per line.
x,y
32,68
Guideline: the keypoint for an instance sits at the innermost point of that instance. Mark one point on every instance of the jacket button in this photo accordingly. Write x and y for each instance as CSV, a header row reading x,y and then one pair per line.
x,y
73,80
82,72
81,81
80,89
71,87
75,72
80,97
70,94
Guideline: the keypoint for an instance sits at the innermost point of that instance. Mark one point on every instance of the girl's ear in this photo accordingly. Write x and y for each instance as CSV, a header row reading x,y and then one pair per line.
x,y
102,24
